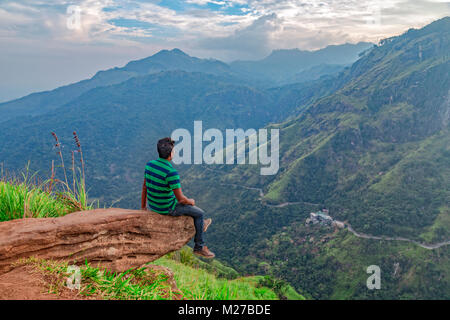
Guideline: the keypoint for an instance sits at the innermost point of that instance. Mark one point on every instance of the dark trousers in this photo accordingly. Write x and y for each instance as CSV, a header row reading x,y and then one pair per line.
x,y
197,214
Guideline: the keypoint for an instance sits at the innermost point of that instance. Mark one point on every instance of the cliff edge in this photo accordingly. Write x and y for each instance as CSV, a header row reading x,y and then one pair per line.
x,y
116,239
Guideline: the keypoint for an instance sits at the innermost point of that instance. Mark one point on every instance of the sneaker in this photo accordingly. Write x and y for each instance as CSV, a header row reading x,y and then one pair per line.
x,y
206,224
204,252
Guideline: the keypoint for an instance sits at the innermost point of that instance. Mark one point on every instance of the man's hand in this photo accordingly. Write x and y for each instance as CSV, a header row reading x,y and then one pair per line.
x,y
182,198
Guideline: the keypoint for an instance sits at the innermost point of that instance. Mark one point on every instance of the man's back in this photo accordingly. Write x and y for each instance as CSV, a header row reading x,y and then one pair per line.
x,y
160,179
162,190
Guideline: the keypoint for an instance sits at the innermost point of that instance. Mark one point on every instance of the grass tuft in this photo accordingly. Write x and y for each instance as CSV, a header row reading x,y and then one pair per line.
x,y
133,284
26,196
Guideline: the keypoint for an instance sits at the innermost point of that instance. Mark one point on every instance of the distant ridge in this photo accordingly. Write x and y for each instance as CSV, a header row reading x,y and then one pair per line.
x,y
272,71
164,60
283,64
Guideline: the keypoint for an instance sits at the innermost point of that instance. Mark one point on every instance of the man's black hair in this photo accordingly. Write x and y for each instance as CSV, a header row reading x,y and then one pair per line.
x,y
165,146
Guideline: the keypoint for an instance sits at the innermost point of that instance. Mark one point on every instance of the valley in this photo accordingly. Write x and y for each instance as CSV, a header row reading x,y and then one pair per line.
x,y
347,225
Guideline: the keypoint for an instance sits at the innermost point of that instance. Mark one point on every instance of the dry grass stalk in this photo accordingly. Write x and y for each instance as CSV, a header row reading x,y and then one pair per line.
x,y
52,178
58,145
77,141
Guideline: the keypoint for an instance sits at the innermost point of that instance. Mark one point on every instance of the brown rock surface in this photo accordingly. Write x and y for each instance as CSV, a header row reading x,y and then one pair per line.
x,y
117,239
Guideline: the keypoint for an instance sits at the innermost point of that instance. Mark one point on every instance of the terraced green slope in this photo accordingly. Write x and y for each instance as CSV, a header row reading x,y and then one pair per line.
x,y
376,152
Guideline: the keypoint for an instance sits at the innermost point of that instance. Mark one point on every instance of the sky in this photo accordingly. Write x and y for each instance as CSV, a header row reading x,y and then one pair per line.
x,y
47,44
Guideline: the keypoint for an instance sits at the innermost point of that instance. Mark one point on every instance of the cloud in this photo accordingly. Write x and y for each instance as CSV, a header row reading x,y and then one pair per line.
x,y
250,42
212,22
114,31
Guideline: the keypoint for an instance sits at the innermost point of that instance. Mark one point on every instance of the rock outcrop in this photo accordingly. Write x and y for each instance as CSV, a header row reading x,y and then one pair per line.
x,y
117,239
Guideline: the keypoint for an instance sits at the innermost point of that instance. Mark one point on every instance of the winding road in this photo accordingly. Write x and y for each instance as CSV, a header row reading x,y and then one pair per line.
x,y
261,196
423,245
349,227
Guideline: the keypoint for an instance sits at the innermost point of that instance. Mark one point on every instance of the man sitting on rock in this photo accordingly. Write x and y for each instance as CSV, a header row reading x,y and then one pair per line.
x,y
162,189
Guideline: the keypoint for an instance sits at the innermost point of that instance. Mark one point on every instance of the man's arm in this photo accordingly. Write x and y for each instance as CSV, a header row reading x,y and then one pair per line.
x,y
182,198
144,197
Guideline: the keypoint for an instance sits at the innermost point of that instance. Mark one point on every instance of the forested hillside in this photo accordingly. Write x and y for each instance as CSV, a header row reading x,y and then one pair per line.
x,y
376,153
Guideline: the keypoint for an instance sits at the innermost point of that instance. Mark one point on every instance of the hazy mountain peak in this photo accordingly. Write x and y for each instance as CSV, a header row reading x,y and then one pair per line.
x,y
284,64
178,51
296,52
168,53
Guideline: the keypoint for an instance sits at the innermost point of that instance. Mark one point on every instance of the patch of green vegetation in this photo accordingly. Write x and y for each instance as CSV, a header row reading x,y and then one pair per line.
x,y
20,200
133,284
440,226
288,180
336,265
148,284
198,284
214,267
26,196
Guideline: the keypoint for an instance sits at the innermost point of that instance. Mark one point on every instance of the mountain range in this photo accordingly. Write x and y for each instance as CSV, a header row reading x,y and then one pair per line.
x,y
281,65
364,132
175,59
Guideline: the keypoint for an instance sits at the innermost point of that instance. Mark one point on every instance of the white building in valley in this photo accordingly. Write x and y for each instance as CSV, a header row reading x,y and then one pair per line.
x,y
322,217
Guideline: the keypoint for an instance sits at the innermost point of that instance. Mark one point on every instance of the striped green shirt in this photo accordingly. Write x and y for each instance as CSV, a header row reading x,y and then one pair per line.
x,y
160,179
